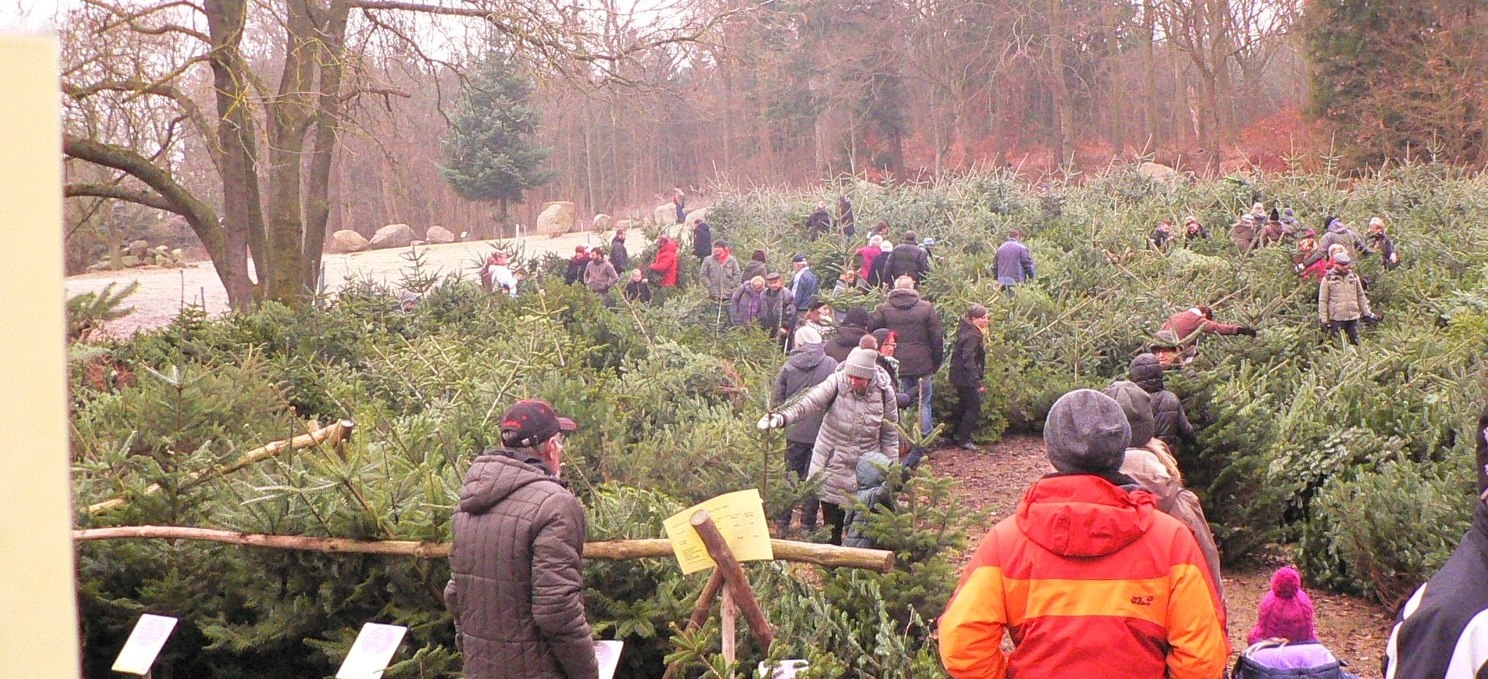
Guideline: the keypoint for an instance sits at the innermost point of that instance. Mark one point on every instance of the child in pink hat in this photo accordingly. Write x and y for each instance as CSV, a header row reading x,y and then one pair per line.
x,y
1284,640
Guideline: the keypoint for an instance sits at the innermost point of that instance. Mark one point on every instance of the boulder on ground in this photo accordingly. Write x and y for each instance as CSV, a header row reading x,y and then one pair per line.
x,y
1159,173
347,240
601,222
139,248
392,236
178,255
666,214
130,260
556,218
439,234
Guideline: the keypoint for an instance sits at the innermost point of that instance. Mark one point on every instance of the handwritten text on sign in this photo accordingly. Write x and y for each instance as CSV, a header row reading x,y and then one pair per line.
x,y
739,516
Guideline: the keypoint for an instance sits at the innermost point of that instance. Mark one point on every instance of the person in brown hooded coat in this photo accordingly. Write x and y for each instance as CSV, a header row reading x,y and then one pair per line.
x,y
516,589
1149,462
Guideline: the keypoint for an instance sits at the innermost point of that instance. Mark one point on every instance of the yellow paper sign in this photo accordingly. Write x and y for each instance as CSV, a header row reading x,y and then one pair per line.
x,y
372,651
739,516
144,644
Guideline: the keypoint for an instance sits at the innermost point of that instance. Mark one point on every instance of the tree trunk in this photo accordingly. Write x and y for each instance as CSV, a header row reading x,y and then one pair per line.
x,y
317,192
242,212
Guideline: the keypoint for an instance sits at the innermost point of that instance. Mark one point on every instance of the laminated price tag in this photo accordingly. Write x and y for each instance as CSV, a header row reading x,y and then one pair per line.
x,y
373,650
144,644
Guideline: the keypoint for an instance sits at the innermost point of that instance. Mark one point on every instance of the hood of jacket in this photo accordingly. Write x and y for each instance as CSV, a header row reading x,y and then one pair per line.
x,y
1144,467
495,475
1080,515
872,468
806,358
1337,226
903,300
968,331
1147,372
849,336
668,246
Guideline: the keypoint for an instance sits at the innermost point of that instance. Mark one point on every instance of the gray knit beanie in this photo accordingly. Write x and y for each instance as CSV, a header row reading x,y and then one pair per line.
x,y
1138,408
861,363
1086,432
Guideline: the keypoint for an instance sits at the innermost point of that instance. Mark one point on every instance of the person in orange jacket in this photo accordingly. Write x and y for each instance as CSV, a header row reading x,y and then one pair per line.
x,y
1090,579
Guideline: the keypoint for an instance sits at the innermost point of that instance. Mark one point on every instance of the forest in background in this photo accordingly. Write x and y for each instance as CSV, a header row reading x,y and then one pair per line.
x,y
704,93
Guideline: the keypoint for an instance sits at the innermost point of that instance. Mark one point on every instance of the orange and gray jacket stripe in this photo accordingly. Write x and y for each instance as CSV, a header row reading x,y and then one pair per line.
x,y
1147,610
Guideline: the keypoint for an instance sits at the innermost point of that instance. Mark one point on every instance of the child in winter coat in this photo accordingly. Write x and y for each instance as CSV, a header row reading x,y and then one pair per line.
x,y
1381,241
873,491
1284,642
878,479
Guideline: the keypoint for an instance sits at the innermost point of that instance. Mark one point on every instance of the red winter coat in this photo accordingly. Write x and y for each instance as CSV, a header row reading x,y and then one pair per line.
x,y
666,264
1185,323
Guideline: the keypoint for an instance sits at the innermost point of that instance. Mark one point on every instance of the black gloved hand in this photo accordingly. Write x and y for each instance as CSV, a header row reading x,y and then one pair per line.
x,y
1247,331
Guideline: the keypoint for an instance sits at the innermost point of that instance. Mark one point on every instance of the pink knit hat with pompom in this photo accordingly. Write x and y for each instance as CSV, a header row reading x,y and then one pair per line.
x,y
1286,611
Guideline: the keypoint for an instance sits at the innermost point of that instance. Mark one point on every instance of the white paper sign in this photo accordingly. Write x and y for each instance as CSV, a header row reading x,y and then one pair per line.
x,y
373,650
607,654
144,644
787,669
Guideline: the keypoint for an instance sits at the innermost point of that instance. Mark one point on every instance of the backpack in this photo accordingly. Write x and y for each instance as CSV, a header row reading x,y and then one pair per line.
x,y
1247,668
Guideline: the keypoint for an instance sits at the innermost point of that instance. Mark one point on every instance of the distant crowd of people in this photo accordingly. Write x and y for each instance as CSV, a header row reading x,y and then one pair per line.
x,y
1107,568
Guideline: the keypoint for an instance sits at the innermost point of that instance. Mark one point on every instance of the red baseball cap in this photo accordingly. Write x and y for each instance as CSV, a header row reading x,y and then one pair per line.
x,y
531,422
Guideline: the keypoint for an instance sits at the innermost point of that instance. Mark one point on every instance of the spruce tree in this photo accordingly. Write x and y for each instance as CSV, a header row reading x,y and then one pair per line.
x,y
490,153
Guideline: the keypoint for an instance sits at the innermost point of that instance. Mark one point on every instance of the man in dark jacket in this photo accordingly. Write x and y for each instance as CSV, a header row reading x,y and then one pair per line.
x,y
804,284
908,259
619,256
516,590
807,367
702,238
968,366
854,326
777,310
878,271
921,341
1014,262
819,222
1171,423
1442,631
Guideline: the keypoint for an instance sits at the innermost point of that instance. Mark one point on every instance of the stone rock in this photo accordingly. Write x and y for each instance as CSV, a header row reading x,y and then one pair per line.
x,y
392,236
178,255
601,222
439,234
139,249
666,214
1159,173
130,261
556,218
347,240
700,213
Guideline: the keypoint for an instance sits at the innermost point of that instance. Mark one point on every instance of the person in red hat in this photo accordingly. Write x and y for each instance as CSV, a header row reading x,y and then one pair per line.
x,y
516,588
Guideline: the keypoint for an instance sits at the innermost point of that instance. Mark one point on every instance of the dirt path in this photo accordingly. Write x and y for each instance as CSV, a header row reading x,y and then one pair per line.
x,y
1354,629
164,292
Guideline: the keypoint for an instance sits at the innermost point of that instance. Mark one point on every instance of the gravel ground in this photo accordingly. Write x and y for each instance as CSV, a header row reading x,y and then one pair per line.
x,y
1354,629
164,292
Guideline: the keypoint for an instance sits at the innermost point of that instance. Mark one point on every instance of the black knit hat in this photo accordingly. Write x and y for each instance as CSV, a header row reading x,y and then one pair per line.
x,y
531,423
